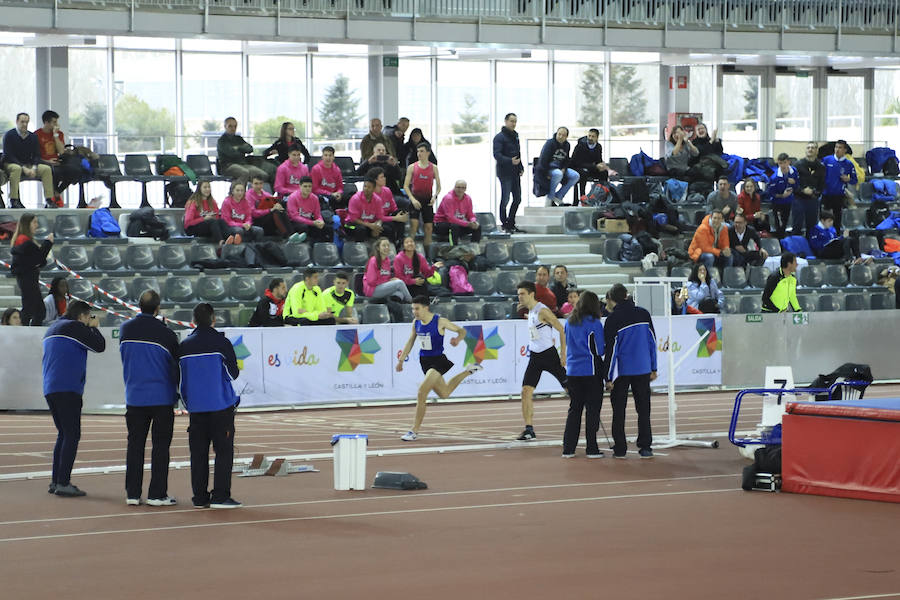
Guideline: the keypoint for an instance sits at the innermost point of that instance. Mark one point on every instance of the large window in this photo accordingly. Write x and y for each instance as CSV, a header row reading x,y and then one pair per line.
x,y
463,133
740,114
522,89
340,100
211,92
702,91
634,110
277,94
578,98
144,96
845,109
414,89
19,96
886,104
88,81
793,107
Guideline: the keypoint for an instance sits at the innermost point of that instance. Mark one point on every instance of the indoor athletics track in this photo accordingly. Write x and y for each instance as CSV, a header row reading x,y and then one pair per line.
x,y
500,519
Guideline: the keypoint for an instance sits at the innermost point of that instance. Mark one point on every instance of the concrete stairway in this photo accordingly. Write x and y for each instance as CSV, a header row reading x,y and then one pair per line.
x,y
582,257
538,219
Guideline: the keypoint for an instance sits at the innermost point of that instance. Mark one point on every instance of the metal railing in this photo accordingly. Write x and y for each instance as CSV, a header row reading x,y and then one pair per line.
x,y
871,16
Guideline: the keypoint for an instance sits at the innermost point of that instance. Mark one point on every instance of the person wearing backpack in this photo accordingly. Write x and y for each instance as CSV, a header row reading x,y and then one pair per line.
x,y
710,244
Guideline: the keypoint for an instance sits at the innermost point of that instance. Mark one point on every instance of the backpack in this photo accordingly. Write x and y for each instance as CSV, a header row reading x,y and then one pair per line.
x,y
798,245
631,250
877,212
459,281
845,372
700,187
676,190
178,192
599,195
648,244
103,224
143,222
891,168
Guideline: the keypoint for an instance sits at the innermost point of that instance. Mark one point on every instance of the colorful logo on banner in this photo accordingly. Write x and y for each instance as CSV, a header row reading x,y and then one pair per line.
x,y
353,351
713,341
480,347
240,351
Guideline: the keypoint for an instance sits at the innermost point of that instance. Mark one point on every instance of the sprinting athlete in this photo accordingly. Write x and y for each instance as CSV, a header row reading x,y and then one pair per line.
x,y
429,328
542,353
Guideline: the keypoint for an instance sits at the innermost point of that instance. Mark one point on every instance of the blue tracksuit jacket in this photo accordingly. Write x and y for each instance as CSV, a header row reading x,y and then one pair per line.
x,y
64,362
149,353
630,342
834,168
208,365
584,346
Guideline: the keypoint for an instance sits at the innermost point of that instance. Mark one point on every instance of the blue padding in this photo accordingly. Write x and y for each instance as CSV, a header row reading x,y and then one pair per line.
x,y
349,436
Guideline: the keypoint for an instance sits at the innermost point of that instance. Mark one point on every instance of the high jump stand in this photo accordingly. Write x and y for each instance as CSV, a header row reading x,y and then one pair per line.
x,y
653,287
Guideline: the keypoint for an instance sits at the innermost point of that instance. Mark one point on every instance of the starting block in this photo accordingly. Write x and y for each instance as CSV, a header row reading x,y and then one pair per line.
x,y
261,466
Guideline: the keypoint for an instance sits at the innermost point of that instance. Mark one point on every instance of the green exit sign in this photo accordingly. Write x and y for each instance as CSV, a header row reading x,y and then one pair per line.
x,y
390,61
115,334
753,319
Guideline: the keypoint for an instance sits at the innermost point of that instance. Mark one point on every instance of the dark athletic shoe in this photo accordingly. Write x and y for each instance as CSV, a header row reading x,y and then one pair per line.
x,y
51,489
166,501
646,453
230,503
69,491
619,455
526,436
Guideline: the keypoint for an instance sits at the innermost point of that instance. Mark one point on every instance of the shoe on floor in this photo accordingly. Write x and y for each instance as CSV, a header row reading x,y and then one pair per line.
x,y
69,491
565,455
133,501
297,238
474,368
527,435
517,230
619,455
201,504
229,503
409,436
645,453
166,501
595,455
15,203
51,489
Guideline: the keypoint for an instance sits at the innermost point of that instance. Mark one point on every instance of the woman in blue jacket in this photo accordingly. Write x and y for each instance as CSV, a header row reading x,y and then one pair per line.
x,y
703,293
584,357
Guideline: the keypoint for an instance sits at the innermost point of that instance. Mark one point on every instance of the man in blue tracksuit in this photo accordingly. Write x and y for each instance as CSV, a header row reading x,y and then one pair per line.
x,y
782,185
64,364
630,362
149,352
839,171
208,365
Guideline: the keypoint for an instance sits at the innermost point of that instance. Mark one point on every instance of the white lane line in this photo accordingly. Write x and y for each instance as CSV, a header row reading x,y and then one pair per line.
x,y
366,514
559,486
894,595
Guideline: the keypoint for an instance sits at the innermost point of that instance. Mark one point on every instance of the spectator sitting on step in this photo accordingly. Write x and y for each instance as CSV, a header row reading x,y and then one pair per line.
x,y
750,204
340,299
201,217
561,285
381,158
723,198
232,151
290,172
542,293
283,144
270,308
455,217
22,160
57,300
328,182
679,152
305,213
238,213
271,212
703,292
745,243
305,303
378,281
413,269
710,244
826,243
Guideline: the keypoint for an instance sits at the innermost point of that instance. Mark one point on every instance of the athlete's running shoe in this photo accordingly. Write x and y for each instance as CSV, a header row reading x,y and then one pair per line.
x,y
409,436
474,368
527,435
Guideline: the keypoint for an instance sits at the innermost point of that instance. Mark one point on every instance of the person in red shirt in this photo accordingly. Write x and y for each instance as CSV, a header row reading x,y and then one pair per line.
x,y
542,292
52,145
422,186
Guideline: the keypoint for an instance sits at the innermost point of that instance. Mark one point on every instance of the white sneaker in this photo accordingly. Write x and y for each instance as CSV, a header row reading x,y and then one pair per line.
x,y
568,456
474,368
133,501
167,501
409,436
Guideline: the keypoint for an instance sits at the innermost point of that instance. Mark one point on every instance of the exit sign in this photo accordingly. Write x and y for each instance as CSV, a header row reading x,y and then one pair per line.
x,y
390,61
753,319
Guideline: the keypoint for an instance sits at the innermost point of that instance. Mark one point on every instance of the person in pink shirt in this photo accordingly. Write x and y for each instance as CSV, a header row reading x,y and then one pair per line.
x,y
389,203
201,216
377,280
569,305
366,218
306,214
290,172
455,217
272,218
328,183
422,186
411,268
238,212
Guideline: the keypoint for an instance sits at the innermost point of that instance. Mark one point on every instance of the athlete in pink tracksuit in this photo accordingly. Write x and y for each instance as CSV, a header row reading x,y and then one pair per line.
x,y
455,216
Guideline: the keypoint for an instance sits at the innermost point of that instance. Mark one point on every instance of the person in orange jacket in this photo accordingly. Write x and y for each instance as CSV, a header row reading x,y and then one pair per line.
x,y
710,244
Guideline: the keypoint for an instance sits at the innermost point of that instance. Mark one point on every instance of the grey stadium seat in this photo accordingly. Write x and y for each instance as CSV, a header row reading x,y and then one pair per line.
x,y
43,226
483,282
758,277
497,253
868,244
854,218
356,254
201,166
654,272
68,226
829,303
882,301
375,313
465,311
203,252
172,257
139,257
812,276
735,277
751,304
494,311
243,288
114,286
835,275
139,285
325,254
524,253
179,289
81,288
732,305
488,224
771,245
297,254
73,256
611,248
862,275
107,258
578,222
807,303
507,281
211,289
680,272
856,302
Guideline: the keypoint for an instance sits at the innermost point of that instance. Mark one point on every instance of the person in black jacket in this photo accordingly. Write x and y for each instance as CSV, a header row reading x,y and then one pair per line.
x,y
409,149
396,136
381,158
811,172
27,259
282,145
587,158
269,308
744,241
149,352
64,369
509,171
705,143
553,165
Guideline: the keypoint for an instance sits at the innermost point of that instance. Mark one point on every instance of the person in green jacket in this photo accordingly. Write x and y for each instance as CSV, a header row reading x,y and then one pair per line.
x,y
305,303
339,298
781,288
